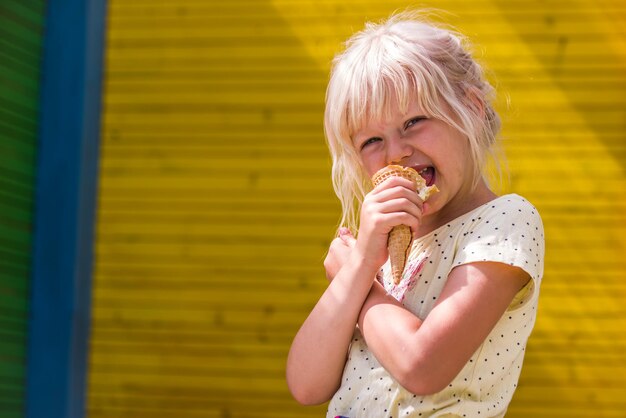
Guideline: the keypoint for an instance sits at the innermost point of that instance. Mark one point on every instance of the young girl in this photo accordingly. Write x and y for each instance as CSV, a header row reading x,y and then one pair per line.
x,y
449,339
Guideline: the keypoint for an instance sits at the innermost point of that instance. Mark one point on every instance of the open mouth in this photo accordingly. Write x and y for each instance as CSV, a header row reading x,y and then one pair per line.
x,y
428,174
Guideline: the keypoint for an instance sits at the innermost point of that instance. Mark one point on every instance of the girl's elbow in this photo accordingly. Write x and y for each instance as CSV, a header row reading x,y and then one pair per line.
x,y
423,387
422,380
305,393
307,397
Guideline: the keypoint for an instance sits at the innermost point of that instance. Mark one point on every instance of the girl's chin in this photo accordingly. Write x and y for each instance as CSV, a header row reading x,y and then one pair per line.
x,y
427,209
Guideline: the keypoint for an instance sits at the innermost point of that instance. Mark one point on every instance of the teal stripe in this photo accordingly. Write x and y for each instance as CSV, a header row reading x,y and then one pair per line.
x,y
67,169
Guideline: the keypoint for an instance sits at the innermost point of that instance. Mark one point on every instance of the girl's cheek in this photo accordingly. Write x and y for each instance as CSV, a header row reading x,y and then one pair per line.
x,y
374,162
369,167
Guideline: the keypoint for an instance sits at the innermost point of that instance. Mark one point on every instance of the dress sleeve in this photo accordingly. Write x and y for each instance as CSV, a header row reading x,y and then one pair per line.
x,y
509,232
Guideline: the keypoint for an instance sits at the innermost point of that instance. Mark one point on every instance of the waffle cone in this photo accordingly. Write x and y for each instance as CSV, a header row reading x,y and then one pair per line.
x,y
400,237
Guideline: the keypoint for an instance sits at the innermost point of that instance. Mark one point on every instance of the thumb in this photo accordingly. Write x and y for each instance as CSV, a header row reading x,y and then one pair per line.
x,y
346,236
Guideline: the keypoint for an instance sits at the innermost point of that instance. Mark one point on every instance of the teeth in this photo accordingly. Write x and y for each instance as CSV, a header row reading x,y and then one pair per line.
x,y
423,170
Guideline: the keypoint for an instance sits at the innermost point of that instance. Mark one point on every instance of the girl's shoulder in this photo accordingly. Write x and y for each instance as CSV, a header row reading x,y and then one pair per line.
x,y
511,200
508,229
510,209
507,201
507,209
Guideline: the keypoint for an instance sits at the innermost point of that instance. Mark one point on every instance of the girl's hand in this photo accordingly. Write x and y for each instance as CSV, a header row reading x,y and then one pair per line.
x,y
338,253
391,203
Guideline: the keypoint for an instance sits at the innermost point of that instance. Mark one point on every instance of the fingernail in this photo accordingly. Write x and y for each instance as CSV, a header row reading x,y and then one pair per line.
x,y
344,231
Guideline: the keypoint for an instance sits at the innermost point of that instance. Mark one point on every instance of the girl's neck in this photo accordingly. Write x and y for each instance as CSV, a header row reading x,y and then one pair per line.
x,y
456,207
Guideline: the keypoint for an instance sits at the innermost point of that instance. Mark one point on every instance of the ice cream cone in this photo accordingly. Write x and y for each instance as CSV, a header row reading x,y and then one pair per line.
x,y
400,237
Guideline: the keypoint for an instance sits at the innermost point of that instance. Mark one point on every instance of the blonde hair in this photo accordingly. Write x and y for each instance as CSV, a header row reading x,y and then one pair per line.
x,y
403,58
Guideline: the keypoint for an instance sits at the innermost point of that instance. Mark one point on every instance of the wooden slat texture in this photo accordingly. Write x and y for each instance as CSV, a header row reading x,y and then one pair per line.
x,y
21,34
216,207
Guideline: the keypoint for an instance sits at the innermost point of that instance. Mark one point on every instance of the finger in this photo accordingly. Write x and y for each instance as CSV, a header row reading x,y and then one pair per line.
x,y
396,181
398,192
400,205
346,236
401,218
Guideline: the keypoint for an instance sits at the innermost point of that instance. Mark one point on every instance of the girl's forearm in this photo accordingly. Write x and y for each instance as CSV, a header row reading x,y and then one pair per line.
x,y
389,330
318,352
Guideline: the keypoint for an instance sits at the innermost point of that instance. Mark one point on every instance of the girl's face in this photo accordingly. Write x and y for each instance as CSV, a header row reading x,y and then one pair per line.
x,y
440,153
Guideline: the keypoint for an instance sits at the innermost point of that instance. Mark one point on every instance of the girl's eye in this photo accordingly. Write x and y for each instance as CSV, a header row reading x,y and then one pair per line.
x,y
413,121
370,141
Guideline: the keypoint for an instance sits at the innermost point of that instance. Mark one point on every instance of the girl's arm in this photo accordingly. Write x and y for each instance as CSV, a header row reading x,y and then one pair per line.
x,y
425,356
318,352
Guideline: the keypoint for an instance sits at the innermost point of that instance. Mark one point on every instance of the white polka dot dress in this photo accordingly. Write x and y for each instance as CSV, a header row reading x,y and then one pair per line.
x,y
507,230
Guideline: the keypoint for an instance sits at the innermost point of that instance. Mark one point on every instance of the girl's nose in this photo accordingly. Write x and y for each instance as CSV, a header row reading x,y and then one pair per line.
x,y
398,149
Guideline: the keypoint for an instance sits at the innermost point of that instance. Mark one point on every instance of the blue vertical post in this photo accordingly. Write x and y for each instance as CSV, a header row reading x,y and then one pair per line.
x,y
65,197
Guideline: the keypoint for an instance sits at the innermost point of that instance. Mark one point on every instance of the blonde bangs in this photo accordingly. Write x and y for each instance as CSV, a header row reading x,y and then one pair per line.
x,y
380,82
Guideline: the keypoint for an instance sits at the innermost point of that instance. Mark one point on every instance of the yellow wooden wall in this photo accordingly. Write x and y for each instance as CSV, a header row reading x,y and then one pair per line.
x,y
216,206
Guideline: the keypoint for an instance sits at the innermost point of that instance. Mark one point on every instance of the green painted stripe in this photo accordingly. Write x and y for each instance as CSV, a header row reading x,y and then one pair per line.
x,y
14,302
27,68
11,411
7,269
15,168
12,260
15,202
12,214
13,285
7,388
16,178
14,243
13,190
15,326
13,351
16,259
19,78
15,338
11,391
19,103
16,283
10,117
25,151
12,134
17,308
12,50
12,370
27,12
25,35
